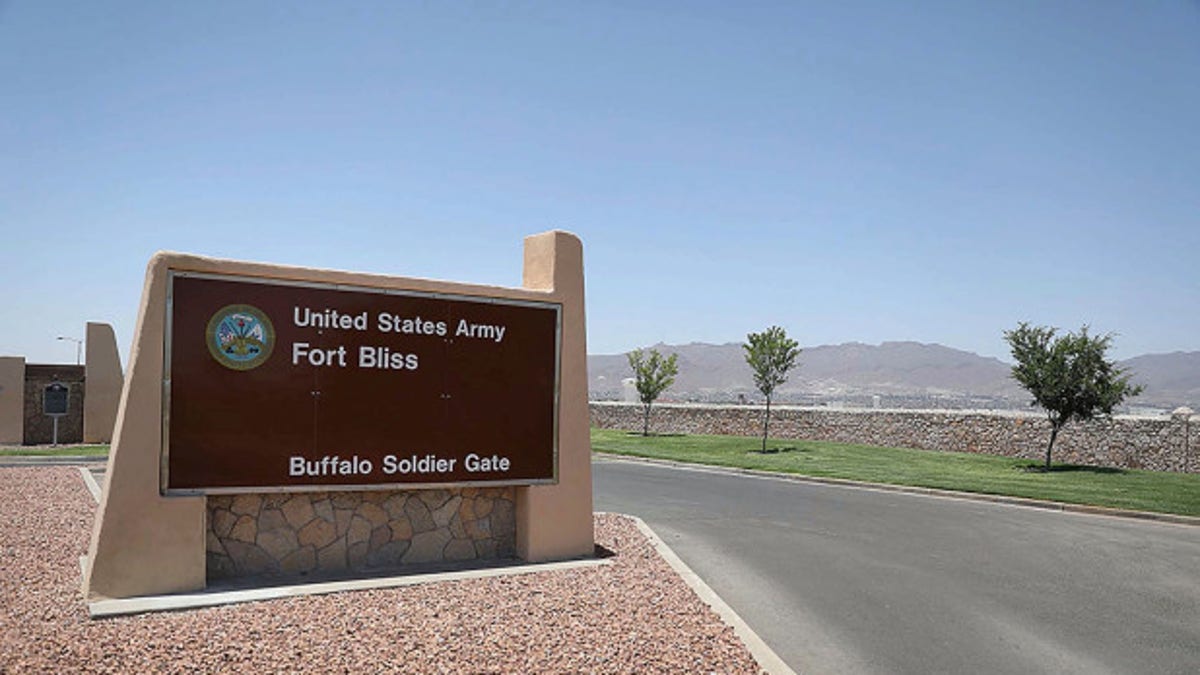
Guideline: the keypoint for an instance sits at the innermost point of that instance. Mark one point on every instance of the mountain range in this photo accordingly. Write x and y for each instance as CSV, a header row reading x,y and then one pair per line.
x,y
890,375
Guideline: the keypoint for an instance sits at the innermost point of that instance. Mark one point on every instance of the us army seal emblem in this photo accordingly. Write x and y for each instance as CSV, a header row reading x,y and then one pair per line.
x,y
240,337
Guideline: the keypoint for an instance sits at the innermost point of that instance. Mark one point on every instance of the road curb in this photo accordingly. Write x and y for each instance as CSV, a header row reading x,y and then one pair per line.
x,y
1043,504
90,481
13,461
766,657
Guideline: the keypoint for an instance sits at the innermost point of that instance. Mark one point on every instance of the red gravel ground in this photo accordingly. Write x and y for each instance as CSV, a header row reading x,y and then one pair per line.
x,y
633,616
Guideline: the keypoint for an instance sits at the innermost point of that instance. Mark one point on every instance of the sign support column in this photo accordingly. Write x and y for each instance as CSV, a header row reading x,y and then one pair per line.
x,y
555,521
144,543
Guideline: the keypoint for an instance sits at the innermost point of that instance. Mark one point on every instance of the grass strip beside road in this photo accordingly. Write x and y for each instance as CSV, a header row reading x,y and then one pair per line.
x,y
56,451
1158,491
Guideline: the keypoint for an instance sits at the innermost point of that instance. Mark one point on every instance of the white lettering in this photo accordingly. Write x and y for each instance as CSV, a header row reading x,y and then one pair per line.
x,y
299,349
392,323
414,464
390,466
476,464
384,358
329,466
480,331
318,357
328,318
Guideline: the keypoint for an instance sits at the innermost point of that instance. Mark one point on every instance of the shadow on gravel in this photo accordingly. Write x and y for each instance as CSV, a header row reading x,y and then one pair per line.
x,y
273,580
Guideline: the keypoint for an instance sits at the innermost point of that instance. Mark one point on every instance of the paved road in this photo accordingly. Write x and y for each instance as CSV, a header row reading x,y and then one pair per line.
x,y
860,581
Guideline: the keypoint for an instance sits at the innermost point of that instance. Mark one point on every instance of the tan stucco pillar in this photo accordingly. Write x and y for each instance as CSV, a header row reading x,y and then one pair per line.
x,y
102,383
144,543
12,400
555,521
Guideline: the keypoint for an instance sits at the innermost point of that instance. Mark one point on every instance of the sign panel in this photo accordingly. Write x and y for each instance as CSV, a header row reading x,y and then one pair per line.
x,y
54,399
285,386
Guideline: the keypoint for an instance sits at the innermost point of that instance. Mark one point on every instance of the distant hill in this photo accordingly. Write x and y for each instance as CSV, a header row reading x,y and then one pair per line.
x,y
1171,380
900,374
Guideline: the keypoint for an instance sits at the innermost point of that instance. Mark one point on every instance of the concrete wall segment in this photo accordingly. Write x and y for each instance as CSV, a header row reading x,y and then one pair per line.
x,y
12,400
103,383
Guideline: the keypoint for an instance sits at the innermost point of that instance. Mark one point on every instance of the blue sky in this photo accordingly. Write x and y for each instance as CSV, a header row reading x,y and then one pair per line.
x,y
852,171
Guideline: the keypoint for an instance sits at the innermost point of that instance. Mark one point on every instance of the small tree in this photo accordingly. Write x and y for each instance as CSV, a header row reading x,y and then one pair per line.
x,y
770,355
652,374
1068,376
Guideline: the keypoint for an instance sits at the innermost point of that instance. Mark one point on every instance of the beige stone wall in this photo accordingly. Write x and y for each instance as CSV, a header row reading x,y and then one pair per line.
x,y
12,400
103,382
334,532
1121,442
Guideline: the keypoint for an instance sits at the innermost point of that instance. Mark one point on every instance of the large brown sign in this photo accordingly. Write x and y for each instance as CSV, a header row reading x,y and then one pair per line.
x,y
271,385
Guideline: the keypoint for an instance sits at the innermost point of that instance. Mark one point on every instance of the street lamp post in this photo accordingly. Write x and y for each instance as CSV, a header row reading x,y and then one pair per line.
x,y
78,347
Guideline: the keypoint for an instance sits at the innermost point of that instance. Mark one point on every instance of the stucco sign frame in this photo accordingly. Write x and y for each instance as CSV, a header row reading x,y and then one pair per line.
x,y
145,542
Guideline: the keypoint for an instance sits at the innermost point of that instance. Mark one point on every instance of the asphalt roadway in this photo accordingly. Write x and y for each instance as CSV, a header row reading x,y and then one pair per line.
x,y
851,580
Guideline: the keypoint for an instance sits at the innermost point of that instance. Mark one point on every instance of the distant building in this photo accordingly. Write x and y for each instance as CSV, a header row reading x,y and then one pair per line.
x,y
629,392
93,394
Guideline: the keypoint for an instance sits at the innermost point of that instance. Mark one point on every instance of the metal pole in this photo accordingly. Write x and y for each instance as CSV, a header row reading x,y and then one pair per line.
x,y
78,347
54,443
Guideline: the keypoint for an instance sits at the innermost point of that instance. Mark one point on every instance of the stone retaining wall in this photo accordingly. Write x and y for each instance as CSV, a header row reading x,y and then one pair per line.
x,y
333,532
1121,442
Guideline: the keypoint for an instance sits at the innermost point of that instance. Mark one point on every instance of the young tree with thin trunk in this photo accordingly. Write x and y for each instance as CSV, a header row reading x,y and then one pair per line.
x,y
1068,376
652,375
770,355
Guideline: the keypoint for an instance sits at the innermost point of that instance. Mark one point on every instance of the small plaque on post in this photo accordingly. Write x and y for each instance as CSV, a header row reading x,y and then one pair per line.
x,y
54,399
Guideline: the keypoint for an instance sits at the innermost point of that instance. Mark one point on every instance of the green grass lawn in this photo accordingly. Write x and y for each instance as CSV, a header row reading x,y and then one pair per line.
x,y
47,451
1117,488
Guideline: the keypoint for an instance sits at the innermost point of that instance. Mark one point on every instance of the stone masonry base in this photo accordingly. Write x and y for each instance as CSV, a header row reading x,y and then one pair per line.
x,y
336,532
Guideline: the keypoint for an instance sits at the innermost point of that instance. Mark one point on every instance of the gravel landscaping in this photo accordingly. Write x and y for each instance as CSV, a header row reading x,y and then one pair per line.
x,y
635,615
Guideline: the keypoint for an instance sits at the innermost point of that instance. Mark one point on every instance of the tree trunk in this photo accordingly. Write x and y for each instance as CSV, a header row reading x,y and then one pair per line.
x,y
1050,445
766,424
646,420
